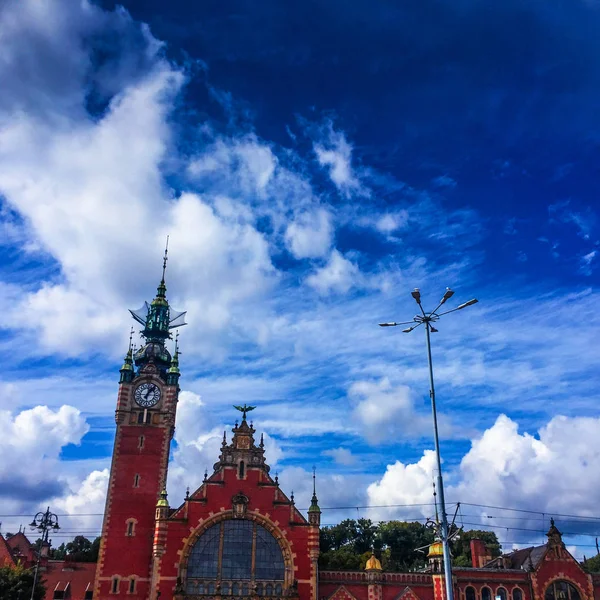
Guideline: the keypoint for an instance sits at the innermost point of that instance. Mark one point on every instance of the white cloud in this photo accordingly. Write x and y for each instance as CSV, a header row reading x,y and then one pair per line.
x,y
342,456
309,234
35,438
338,275
552,472
335,153
384,412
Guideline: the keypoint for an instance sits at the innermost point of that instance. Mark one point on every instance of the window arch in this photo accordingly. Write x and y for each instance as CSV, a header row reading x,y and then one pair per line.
x,y
562,590
470,593
517,594
238,553
501,594
486,593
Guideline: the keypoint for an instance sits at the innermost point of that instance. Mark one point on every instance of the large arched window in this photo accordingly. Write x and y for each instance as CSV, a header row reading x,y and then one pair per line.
x,y
241,555
470,593
486,593
561,590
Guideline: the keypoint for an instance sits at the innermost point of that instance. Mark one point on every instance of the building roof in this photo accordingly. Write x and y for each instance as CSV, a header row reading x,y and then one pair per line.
x,y
21,547
6,556
525,558
77,577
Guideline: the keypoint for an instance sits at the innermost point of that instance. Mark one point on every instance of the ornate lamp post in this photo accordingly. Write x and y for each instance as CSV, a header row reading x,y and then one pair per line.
x,y
43,522
427,319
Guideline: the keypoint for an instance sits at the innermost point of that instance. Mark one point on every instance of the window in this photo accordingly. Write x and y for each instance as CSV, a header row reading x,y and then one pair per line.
x,y
486,593
130,528
115,586
89,595
132,585
58,595
517,594
236,552
470,593
501,594
561,590
136,480
141,442
242,469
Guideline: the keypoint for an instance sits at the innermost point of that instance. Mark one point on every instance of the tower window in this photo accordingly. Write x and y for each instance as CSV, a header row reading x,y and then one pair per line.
x,y
136,480
130,528
132,585
115,586
141,442
242,470
140,418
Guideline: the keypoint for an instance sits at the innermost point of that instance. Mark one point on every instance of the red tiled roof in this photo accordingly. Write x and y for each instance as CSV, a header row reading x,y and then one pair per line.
x,y
6,556
77,576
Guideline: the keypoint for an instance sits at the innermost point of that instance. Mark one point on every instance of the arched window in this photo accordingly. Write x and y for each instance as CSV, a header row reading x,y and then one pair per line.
x,y
486,593
132,585
141,442
501,594
115,586
242,469
470,593
236,552
562,590
517,594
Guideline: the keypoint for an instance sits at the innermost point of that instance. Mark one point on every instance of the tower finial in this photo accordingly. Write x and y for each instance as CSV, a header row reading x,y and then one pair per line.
x,y
165,258
131,339
314,512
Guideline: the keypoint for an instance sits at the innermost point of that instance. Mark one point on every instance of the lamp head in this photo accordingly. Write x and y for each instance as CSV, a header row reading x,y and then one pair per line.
x,y
387,324
432,329
447,295
408,330
469,303
416,294
33,524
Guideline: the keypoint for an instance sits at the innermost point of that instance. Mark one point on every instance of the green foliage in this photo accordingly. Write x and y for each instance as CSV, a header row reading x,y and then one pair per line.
x,y
348,545
80,549
461,546
16,583
592,565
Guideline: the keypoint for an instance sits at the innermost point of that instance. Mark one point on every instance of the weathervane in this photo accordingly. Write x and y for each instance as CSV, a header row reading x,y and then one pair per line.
x,y
244,409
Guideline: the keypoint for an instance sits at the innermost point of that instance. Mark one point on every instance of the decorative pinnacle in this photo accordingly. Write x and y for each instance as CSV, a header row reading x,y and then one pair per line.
x,y
262,441
292,497
187,493
277,479
163,499
224,443
205,474
314,504
244,409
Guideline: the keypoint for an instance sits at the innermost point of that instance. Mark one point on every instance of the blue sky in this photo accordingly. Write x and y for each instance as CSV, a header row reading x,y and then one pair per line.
x,y
312,163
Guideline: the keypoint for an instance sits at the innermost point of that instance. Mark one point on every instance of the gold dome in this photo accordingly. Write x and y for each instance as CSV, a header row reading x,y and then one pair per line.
x,y
373,564
436,549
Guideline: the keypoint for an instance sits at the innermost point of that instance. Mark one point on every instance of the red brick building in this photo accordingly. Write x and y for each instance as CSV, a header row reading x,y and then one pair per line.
x,y
239,535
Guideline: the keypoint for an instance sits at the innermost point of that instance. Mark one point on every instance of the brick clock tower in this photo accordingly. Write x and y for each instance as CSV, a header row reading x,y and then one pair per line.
x,y
145,417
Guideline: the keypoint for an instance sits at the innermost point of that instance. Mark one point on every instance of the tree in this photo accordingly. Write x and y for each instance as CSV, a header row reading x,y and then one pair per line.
x,y
16,584
80,549
461,546
400,541
592,565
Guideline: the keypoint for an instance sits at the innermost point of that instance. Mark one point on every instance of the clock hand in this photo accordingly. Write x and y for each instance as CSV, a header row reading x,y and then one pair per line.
x,y
147,394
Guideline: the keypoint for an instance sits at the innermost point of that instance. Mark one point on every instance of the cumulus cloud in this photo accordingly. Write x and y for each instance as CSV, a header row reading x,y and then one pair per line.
x,y
35,438
552,471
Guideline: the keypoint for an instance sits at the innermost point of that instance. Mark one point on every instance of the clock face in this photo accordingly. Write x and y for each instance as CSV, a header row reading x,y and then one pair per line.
x,y
147,394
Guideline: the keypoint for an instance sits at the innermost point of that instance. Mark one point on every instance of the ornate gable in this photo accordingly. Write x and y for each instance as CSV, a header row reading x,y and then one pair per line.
x,y
342,594
407,594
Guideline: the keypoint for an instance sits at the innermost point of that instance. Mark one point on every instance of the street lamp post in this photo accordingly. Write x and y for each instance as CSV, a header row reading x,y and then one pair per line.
x,y
43,522
427,319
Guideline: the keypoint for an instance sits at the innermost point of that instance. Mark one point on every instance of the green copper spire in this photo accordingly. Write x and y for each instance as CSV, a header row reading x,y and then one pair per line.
x,y
126,370
163,499
158,319
173,372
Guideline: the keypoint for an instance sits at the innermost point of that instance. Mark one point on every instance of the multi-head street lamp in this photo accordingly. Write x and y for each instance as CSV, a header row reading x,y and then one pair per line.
x,y
427,319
